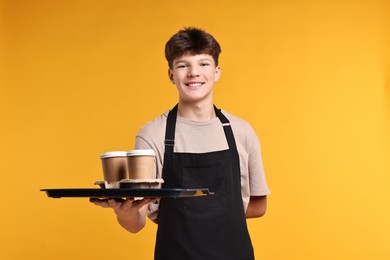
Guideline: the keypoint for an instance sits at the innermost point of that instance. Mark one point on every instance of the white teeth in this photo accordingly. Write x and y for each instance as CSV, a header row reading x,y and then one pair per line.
x,y
195,84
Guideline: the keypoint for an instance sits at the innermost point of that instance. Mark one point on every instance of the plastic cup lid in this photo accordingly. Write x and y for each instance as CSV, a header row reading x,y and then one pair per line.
x,y
113,154
145,152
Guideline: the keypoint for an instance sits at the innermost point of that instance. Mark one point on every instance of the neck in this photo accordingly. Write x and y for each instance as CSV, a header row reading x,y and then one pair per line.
x,y
196,112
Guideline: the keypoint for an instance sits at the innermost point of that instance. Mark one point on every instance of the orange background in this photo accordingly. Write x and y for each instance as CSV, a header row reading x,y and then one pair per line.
x,y
312,77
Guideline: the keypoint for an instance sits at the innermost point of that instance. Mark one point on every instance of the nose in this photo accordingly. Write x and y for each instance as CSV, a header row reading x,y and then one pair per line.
x,y
193,72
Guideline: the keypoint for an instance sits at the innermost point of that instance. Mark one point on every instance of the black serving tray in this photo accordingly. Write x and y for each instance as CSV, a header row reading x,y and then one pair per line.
x,y
125,193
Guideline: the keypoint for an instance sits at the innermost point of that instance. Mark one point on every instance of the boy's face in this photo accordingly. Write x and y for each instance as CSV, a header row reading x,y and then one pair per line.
x,y
194,77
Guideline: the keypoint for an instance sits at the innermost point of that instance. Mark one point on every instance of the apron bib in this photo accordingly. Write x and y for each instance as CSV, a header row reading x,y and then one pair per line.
x,y
202,228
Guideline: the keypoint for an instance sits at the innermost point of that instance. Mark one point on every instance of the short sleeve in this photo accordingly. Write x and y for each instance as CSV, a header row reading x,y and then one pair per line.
x,y
257,181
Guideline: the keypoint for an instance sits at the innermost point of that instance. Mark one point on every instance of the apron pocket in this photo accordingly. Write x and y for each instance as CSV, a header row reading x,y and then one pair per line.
x,y
211,178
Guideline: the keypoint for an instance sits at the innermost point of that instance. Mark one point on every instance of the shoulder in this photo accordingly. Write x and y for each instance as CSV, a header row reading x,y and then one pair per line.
x,y
242,129
154,126
237,123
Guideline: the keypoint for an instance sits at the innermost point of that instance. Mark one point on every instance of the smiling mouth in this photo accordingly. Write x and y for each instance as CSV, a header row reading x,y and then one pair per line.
x,y
194,84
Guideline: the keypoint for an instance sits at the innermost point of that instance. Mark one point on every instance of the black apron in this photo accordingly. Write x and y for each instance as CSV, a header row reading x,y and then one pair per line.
x,y
202,228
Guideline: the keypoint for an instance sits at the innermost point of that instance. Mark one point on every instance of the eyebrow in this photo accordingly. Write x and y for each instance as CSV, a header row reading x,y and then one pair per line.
x,y
204,59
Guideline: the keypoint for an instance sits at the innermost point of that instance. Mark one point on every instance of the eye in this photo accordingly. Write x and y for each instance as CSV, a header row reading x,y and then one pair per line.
x,y
203,64
181,66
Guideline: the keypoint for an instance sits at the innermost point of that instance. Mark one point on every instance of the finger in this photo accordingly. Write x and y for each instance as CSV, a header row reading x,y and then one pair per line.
x,y
93,200
104,205
140,203
113,204
101,203
128,202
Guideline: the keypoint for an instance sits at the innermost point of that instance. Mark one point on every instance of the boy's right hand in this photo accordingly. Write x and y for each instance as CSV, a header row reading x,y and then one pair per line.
x,y
123,207
131,214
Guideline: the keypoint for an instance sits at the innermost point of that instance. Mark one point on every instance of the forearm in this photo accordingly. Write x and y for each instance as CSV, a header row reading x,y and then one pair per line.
x,y
130,213
257,207
132,223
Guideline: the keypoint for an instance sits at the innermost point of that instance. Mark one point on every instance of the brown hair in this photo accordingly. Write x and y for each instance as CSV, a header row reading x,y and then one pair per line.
x,y
194,41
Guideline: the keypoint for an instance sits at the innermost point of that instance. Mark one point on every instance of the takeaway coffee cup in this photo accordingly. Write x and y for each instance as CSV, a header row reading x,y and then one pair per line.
x,y
114,166
140,164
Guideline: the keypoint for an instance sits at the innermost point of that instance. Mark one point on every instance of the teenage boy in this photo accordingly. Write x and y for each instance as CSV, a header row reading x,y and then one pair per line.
x,y
198,145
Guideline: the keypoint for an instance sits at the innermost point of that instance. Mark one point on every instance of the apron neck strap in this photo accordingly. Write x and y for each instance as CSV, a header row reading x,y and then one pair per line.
x,y
170,130
227,129
171,127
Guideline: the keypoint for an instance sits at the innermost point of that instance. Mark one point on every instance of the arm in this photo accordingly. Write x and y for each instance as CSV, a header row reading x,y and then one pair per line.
x,y
131,214
257,203
257,207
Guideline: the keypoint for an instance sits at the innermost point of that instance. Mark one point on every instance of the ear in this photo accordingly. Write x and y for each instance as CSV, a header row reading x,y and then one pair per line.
x,y
217,73
170,75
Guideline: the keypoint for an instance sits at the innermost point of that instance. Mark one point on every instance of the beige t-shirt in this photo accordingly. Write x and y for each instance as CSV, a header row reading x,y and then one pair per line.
x,y
208,136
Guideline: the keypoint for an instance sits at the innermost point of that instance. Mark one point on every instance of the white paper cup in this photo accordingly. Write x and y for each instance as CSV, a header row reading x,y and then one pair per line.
x,y
114,166
141,164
